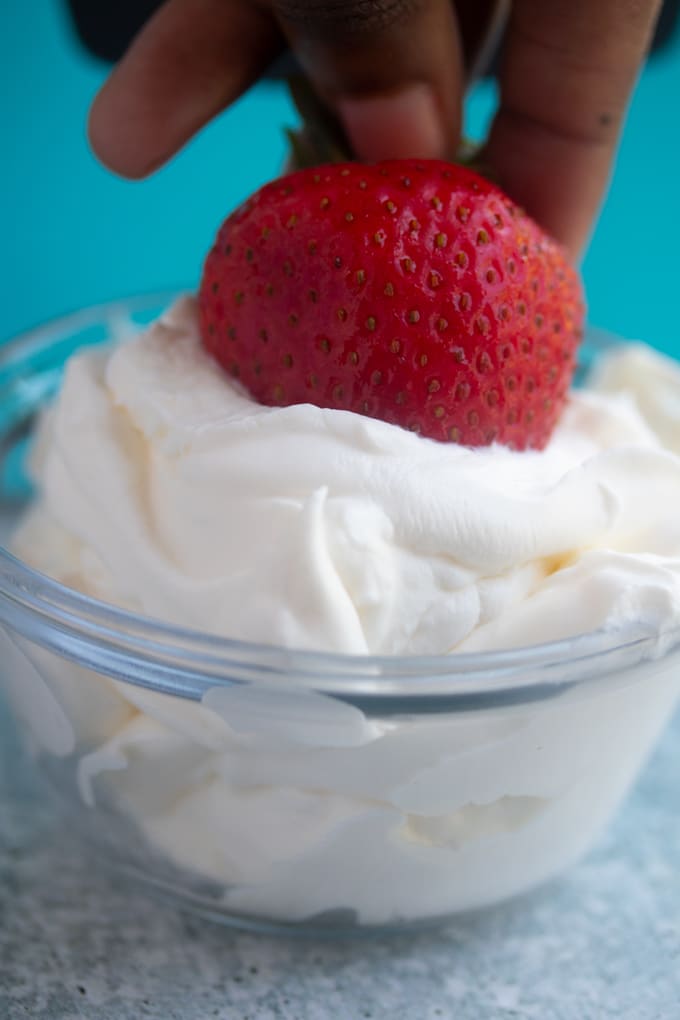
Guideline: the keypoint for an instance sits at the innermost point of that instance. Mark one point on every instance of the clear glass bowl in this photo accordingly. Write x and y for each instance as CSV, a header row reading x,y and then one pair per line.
x,y
275,789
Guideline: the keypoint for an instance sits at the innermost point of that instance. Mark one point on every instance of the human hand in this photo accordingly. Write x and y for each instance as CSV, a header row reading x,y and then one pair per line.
x,y
394,71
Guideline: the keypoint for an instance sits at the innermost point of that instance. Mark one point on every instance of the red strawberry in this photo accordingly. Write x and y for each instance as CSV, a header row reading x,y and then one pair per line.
x,y
415,292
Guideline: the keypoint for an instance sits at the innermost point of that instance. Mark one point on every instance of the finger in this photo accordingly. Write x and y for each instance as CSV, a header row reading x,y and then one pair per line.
x,y
192,59
391,70
568,71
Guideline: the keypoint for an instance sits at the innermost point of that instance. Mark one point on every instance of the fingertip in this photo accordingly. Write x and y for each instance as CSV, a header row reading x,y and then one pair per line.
x,y
188,64
399,124
106,139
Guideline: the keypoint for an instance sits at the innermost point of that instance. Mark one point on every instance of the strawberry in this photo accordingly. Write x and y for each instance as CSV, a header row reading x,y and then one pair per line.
x,y
414,292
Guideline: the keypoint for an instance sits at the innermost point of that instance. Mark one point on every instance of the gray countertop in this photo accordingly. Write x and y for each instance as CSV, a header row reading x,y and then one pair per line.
x,y
602,942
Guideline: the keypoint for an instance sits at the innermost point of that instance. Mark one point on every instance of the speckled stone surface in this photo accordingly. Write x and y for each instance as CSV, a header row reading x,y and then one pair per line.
x,y
602,942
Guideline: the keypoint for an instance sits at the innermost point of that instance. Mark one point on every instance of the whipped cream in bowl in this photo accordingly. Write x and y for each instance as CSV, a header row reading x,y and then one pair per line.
x,y
302,667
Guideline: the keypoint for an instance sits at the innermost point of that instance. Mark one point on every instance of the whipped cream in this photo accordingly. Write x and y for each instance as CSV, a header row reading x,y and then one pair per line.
x,y
167,490
164,488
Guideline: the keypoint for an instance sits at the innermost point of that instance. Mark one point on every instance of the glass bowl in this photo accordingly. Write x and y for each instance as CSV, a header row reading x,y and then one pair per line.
x,y
281,790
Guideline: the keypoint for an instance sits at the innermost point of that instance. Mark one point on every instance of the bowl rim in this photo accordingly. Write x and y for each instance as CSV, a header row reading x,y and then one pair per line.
x,y
185,662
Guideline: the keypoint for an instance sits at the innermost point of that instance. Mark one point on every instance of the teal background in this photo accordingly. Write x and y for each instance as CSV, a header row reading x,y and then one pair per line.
x,y
73,235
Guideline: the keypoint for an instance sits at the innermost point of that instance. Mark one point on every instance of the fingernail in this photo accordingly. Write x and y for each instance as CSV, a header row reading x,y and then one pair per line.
x,y
395,125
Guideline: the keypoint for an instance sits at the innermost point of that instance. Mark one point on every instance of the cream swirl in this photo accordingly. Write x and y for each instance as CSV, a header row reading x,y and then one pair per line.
x,y
166,489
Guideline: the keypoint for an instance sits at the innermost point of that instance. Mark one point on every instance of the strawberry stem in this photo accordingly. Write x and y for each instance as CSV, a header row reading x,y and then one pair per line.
x,y
471,155
321,138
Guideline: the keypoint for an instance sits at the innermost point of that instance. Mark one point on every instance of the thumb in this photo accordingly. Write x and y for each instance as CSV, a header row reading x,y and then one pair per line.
x,y
390,69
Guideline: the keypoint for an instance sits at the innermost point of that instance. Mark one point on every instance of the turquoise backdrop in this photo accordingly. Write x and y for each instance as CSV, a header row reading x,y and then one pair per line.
x,y
73,235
